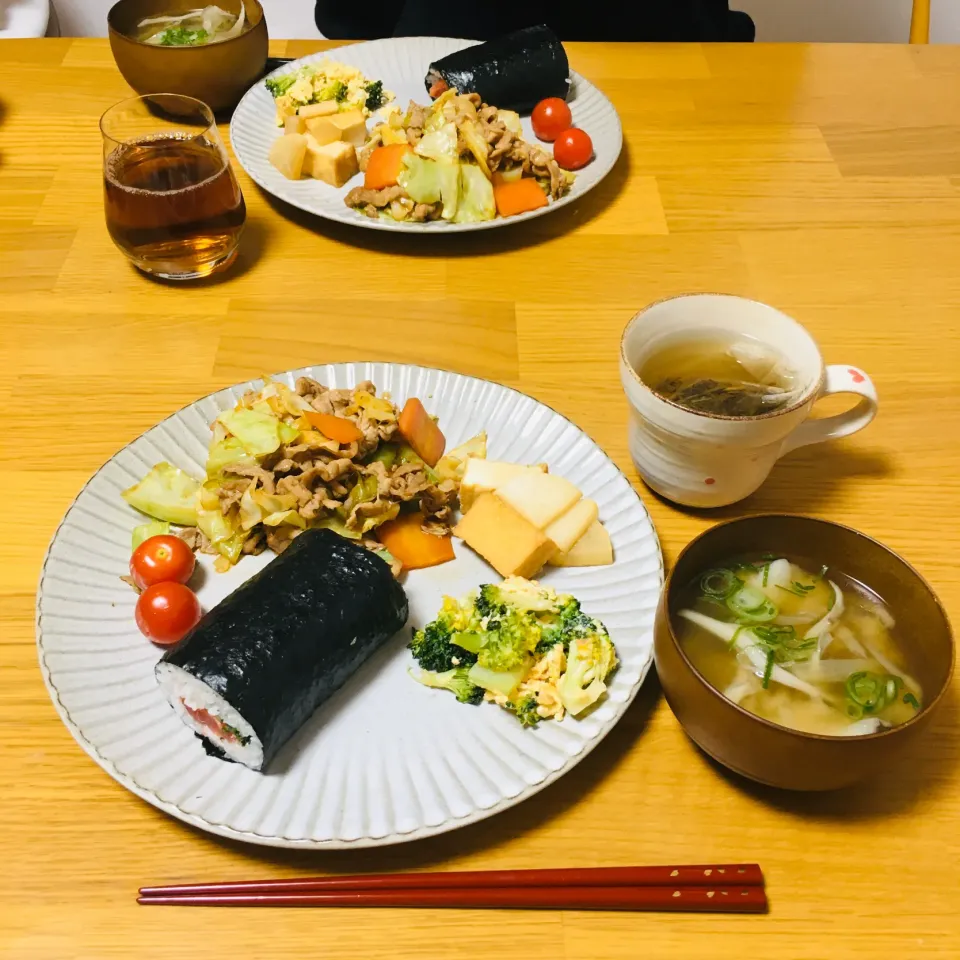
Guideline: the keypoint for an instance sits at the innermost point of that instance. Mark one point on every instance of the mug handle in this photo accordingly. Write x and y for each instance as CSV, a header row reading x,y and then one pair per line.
x,y
837,379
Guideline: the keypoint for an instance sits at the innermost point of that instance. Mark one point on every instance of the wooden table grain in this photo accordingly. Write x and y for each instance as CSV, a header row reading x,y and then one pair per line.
x,y
822,179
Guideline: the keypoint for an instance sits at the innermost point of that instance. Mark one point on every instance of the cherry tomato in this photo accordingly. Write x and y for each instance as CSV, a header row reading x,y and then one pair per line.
x,y
161,559
166,611
573,149
550,118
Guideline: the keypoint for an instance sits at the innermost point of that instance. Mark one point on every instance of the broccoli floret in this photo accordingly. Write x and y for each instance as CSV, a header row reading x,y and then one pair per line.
x,y
278,86
509,631
571,624
590,660
336,90
526,711
433,649
374,94
456,681
556,629
489,603
506,646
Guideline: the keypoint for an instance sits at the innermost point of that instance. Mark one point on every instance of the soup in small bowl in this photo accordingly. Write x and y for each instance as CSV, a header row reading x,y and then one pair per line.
x,y
798,652
212,53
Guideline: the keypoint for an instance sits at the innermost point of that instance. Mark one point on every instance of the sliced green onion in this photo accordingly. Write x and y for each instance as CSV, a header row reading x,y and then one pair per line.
x,y
854,710
796,593
748,599
823,572
752,606
797,589
768,669
766,574
872,691
775,633
912,700
787,646
720,583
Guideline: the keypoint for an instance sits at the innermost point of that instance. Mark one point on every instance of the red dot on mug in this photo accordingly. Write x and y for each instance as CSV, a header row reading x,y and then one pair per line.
x,y
709,481
856,376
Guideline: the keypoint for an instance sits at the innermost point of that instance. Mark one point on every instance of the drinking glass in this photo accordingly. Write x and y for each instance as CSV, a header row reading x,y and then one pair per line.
x,y
173,205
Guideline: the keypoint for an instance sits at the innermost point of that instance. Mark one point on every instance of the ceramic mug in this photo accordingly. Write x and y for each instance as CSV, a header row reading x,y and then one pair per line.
x,y
707,460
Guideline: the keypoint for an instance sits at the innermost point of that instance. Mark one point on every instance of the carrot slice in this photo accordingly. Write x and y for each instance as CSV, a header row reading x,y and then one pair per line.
x,y
421,432
439,86
384,166
518,197
335,428
404,538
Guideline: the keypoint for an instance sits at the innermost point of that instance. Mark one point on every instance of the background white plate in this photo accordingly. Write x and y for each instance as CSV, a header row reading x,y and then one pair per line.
x,y
24,18
402,64
386,759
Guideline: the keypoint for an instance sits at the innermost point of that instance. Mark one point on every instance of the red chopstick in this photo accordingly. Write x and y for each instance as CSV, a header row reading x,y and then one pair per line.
x,y
702,875
718,899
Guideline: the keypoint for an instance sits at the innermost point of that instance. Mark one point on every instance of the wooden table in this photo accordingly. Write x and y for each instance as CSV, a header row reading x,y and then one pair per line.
x,y
822,179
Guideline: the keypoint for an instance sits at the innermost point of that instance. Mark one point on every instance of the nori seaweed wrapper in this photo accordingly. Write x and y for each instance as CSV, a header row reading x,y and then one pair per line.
x,y
514,72
283,642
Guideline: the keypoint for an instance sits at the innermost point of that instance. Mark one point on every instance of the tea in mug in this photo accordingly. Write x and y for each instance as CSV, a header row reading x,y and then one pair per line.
x,y
719,373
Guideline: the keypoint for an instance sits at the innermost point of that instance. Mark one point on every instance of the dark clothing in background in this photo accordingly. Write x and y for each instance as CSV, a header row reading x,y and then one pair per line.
x,y
667,20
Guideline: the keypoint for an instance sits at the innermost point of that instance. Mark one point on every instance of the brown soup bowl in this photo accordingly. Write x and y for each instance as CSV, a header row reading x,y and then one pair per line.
x,y
216,73
765,751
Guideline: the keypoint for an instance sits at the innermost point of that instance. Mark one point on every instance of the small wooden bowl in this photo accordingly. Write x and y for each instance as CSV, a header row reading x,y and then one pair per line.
x,y
765,751
216,73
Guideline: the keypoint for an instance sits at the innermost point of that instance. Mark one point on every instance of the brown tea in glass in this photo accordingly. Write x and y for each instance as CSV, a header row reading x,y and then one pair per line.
x,y
172,203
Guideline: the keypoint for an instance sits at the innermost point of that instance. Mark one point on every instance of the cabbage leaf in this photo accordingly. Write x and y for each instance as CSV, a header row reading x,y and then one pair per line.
x,y
476,196
166,493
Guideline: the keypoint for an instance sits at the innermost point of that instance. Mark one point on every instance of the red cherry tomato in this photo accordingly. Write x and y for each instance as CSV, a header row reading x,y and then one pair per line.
x,y
166,611
550,118
573,149
161,559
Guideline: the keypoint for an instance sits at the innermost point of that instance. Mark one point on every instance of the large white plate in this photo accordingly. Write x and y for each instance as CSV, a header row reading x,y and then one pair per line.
x,y
386,760
402,64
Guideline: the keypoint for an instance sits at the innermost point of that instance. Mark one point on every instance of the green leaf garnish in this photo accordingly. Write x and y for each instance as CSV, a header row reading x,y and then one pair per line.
x,y
797,589
768,669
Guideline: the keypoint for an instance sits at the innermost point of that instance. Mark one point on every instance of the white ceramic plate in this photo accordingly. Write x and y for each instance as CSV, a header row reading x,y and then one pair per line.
x,y
24,18
386,760
402,64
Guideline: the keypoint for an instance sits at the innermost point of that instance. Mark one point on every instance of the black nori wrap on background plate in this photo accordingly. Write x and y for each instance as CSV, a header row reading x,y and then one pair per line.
x,y
288,638
514,72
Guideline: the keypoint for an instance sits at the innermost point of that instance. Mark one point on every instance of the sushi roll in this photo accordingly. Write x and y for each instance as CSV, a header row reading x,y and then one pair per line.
x,y
258,665
514,72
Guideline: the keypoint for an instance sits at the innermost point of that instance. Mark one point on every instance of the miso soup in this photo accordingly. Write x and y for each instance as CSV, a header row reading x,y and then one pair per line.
x,y
798,644
195,28
719,373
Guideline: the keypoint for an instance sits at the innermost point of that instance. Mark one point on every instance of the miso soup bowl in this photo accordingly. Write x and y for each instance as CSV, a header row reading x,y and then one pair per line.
x,y
767,752
219,73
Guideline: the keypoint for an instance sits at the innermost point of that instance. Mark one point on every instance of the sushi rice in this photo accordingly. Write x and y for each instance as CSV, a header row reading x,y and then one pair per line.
x,y
185,691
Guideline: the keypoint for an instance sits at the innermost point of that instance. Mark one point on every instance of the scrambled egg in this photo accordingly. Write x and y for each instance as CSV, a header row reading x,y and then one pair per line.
x,y
316,83
541,683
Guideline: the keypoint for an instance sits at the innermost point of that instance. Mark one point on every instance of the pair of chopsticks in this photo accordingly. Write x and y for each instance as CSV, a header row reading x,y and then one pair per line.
x,y
719,888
